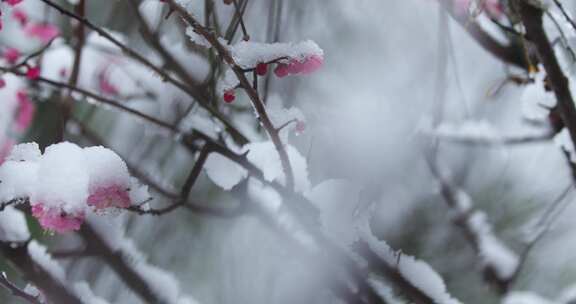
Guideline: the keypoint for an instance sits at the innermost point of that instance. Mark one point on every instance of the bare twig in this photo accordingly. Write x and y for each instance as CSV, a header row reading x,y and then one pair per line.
x,y
532,20
512,54
245,84
17,292
187,88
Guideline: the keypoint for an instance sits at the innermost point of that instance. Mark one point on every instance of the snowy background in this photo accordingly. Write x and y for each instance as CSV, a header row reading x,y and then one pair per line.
x,y
398,77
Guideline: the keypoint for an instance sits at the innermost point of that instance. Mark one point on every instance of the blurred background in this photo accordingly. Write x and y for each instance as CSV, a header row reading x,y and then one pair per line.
x,y
393,71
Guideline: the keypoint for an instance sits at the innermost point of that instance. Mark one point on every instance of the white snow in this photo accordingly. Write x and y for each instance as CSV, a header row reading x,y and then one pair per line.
x,y
415,271
525,297
264,156
39,254
105,167
224,172
492,251
151,11
536,101
18,180
83,291
337,201
563,140
197,38
62,178
163,284
13,226
281,115
138,192
468,130
25,152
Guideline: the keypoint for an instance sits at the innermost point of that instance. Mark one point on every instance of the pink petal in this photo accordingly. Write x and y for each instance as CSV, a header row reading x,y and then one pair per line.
x,y
55,219
105,85
20,16
281,70
295,67
25,112
13,2
113,196
312,64
11,55
44,32
5,148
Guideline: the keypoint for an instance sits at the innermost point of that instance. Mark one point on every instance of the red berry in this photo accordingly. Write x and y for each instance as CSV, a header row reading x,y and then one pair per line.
x,y
33,73
2,83
281,70
261,69
229,96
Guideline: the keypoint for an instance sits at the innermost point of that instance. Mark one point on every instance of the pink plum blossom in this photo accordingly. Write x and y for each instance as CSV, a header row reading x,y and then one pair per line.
x,y
11,55
20,16
42,31
33,73
311,64
105,85
13,2
281,70
55,219
113,196
25,111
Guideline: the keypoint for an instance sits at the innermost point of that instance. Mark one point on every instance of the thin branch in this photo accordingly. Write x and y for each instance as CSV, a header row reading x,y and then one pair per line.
x,y
375,263
512,54
115,259
565,14
532,20
187,88
68,101
463,212
245,84
544,223
52,288
503,141
240,16
17,292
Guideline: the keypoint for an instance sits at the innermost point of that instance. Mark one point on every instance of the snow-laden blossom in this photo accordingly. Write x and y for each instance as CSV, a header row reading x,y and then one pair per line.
x,y
307,65
66,182
109,197
109,180
292,58
249,54
60,190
